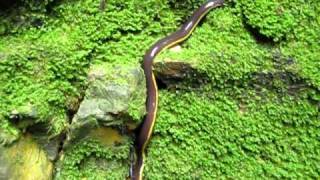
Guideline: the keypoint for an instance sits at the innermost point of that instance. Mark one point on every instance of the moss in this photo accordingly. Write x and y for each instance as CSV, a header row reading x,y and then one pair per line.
x,y
37,71
35,5
8,133
92,160
295,21
223,49
273,19
234,120
209,134
303,46
237,120
134,109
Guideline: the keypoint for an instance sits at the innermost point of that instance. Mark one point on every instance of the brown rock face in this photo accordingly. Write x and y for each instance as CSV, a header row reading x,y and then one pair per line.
x,y
173,73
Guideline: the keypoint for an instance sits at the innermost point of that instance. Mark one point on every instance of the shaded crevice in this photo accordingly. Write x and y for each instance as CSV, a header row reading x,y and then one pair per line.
x,y
176,76
161,84
61,143
71,112
255,32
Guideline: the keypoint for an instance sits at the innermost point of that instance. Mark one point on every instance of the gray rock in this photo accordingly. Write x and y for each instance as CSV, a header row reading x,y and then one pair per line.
x,y
50,146
24,118
115,97
26,111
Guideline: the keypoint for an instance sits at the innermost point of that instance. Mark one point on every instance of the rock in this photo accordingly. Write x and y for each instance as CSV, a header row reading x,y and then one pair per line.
x,y
98,136
170,69
24,118
115,97
4,166
174,72
26,111
25,160
49,145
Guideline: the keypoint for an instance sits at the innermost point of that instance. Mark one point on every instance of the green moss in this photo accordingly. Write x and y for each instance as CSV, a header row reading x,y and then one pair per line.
x,y
8,133
303,46
209,134
134,109
43,70
273,19
249,116
223,50
91,160
296,21
36,5
246,121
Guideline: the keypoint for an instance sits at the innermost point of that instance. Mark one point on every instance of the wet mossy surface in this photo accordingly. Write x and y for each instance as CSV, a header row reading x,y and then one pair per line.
x,y
256,115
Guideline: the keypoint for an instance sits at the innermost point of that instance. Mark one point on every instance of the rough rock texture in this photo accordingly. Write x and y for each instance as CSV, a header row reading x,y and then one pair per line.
x,y
25,160
100,136
115,97
176,73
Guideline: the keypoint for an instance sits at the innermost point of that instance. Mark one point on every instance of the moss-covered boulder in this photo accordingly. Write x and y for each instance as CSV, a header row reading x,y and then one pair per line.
x,y
100,137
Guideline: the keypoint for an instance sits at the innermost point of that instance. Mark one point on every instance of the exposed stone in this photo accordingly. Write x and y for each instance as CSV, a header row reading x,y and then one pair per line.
x,y
174,72
172,69
108,100
24,160
50,146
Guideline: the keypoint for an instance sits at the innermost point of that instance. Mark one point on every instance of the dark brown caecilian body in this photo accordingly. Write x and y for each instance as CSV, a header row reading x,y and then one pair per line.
x,y
152,92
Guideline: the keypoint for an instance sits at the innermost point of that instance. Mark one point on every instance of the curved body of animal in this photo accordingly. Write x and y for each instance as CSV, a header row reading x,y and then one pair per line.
x,y
180,35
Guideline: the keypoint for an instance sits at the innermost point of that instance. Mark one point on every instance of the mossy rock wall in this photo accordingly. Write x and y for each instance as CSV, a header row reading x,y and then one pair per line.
x,y
255,114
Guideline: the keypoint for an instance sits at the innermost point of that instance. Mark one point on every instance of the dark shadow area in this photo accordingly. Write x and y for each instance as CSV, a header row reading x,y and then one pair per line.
x,y
161,84
260,38
7,4
40,129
